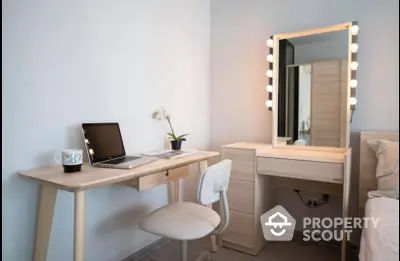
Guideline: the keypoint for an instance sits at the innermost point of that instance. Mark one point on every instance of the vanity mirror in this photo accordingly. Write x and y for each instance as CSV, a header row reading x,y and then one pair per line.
x,y
312,85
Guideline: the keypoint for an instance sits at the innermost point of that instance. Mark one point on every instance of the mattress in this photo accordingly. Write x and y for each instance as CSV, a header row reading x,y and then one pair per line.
x,y
381,243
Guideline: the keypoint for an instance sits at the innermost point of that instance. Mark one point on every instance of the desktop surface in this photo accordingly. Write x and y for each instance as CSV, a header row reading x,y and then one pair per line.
x,y
91,177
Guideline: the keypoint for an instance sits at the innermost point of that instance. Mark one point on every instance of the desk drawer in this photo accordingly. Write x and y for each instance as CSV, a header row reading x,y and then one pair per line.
x,y
241,195
240,229
300,169
243,163
161,178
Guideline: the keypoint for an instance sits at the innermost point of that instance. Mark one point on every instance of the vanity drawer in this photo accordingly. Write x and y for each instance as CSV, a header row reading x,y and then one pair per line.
x,y
240,230
164,177
243,160
241,195
301,169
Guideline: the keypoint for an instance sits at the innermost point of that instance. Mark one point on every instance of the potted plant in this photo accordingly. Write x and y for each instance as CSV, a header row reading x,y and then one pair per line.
x,y
176,141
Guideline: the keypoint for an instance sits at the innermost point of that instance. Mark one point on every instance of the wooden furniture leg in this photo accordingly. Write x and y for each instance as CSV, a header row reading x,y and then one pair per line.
x,y
79,226
177,197
47,200
214,248
171,193
346,195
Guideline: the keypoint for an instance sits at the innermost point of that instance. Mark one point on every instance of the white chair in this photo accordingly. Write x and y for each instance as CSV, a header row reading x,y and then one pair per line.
x,y
188,221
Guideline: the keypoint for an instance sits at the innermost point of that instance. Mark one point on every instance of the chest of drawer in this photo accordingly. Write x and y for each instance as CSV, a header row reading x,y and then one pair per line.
x,y
240,229
301,169
241,195
243,163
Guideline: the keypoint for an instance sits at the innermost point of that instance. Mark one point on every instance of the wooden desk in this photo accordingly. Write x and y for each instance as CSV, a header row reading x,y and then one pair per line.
x,y
150,175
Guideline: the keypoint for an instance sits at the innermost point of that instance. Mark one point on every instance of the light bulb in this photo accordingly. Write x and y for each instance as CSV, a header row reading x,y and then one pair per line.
x,y
352,101
269,73
268,103
270,58
91,151
353,83
354,48
270,43
354,66
354,30
269,88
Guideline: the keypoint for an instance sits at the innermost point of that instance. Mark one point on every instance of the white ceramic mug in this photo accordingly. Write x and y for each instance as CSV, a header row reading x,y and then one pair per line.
x,y
70,159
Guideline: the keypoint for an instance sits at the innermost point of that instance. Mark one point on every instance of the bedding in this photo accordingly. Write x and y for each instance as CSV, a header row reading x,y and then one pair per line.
x,y
381,243
387,171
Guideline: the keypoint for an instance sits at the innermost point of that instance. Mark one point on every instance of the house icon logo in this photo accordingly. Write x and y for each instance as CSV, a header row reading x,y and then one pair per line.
x,y
278,225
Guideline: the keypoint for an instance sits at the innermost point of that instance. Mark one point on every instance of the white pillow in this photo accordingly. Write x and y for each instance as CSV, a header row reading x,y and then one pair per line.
x,y
387,170
385,194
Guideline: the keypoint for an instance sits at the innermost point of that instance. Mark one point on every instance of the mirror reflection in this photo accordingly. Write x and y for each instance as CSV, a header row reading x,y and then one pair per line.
x,y
312,96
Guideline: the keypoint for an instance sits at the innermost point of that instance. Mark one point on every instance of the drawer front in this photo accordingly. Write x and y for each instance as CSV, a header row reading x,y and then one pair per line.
x,y
164,177
243,163
241,195
240,229
299,169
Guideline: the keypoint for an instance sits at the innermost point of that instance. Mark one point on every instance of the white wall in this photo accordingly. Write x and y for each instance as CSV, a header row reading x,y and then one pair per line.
x,y
65,62
321,51
304,95
240,29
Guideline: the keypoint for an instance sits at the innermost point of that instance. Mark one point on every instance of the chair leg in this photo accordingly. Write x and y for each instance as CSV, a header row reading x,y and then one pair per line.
x,y
183,245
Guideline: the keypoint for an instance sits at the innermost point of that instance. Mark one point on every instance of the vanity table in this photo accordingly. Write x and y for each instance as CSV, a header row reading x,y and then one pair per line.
x,y
251,187
308,87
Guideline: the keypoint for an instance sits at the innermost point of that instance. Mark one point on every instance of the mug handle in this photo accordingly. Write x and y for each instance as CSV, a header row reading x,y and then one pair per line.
x,y
58,157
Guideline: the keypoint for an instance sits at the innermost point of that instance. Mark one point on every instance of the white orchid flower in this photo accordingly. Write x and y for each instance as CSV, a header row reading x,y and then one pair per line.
x,y
160,115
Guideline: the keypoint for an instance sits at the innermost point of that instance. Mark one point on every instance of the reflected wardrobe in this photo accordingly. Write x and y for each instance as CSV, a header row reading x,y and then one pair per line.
x,y
312,100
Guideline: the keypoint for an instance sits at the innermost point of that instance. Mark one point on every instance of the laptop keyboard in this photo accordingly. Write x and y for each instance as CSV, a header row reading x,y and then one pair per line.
x,y
120,160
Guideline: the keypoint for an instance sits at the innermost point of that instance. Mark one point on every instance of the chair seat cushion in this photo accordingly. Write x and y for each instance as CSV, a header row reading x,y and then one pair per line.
x,y
181,221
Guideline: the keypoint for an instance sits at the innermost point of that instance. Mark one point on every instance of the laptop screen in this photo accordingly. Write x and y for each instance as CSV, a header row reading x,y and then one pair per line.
x,y
103,141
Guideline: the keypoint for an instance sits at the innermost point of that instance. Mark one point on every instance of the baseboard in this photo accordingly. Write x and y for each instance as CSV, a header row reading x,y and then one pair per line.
x,y
147,249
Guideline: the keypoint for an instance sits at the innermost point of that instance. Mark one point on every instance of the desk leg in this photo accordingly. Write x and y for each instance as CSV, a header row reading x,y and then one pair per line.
x,y
177,197
47,200
346,195
170,187
79,226
173,191
214,248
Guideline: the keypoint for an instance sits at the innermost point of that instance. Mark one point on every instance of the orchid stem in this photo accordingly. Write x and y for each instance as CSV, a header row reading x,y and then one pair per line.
x,y
170,126
169,123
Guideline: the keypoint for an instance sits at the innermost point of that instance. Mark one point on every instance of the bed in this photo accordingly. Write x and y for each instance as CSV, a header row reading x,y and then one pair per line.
x,y
380,243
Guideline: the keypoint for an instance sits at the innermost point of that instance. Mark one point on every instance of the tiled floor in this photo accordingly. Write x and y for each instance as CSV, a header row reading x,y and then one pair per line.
x,y
273,251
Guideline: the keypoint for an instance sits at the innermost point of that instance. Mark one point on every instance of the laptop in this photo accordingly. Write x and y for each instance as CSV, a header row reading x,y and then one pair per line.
x,y
105,148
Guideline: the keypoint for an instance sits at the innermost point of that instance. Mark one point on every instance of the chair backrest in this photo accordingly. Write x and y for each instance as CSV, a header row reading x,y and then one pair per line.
x,y
300,142
212,188
214,181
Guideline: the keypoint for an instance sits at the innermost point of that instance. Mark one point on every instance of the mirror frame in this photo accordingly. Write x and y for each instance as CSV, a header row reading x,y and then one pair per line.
x,y
273,74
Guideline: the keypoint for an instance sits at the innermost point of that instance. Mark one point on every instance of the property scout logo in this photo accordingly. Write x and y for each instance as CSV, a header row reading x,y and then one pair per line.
x,y
278,225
